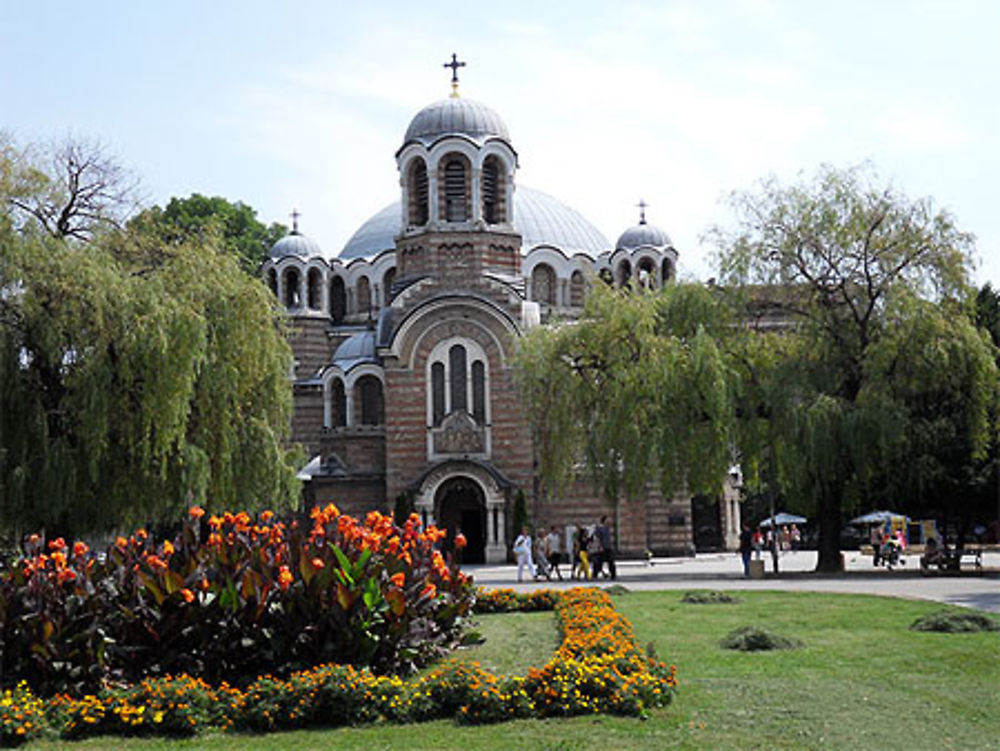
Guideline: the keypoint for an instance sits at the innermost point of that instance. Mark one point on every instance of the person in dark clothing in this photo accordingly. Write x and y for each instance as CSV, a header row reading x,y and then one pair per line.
x,y
607,547
746,548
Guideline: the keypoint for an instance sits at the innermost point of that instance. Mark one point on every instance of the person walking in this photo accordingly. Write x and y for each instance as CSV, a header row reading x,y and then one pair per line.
x,y
582,562
746,548
553,552
607,547
522,550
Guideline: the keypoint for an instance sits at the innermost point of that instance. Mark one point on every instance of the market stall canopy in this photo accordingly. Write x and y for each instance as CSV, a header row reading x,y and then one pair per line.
x,y
877,517
782,519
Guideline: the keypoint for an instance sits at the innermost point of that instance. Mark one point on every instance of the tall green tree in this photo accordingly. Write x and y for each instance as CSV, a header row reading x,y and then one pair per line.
x,y
870,288
136,377
235,225
641,388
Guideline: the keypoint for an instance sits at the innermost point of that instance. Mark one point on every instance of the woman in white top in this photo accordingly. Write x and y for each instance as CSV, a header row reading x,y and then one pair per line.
x,y
522,549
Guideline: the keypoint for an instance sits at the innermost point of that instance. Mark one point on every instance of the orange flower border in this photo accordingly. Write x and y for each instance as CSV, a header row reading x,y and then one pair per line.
x,y
598,668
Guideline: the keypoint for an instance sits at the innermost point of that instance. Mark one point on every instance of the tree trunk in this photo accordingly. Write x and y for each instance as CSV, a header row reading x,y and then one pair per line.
x,y
828,545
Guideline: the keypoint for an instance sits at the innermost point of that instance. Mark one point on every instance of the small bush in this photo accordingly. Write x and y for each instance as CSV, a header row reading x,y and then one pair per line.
x,y
709,597
617,589
756,639
953,621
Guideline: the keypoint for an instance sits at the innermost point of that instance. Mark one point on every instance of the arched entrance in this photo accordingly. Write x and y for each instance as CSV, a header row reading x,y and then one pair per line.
x,y
460,506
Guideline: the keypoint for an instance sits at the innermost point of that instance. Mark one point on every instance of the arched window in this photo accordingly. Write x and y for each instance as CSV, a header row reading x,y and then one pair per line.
x,y
368,394
457,364
387,282
543,284
493,192
364,297
314,289
417,189
338,404
646,273
668,271
437,393
338,299
624,273
293,294
577,289
456,190
606,276
272,281
458,379
479,392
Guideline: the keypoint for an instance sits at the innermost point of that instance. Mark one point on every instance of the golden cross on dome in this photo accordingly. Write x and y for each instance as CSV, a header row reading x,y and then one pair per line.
x,y
455,64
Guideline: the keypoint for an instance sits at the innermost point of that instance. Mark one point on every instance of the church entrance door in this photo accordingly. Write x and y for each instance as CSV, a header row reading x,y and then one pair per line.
x,y
461,507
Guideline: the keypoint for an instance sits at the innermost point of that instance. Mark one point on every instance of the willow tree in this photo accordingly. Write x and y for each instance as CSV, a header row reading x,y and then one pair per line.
x,y
641,389
870,290
136,377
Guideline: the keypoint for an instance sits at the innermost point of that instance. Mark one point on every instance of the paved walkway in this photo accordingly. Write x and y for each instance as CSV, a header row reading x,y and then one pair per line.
x,y
724,571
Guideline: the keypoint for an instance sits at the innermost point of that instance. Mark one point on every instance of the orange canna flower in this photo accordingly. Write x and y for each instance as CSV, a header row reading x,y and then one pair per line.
x,y
66,575
398,580
121,543
34,539
187,594
80,549
317,563
266,516
284,578
215,522
168,548
429,591
204,585
196,512
460,541
57,544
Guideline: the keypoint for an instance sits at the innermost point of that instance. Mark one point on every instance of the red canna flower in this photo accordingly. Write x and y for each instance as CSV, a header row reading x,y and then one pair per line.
x,y
80,549
284,578
460,541
398,580
187,594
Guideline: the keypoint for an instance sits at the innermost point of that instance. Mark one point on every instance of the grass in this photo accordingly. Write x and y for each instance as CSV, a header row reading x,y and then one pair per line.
x,y
862,680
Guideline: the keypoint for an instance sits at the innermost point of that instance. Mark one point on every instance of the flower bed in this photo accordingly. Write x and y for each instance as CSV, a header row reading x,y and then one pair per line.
x,y
598,667
229,598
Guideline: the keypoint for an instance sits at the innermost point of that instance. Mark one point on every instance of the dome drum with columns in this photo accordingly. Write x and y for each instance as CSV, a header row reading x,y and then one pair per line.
x,y
403,384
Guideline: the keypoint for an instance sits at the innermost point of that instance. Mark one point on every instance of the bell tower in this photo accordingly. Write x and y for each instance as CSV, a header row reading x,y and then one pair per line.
x,y
456,173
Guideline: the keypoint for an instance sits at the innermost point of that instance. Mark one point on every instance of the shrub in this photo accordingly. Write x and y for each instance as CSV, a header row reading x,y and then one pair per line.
x,y
229,598
955,621
756,639
708,597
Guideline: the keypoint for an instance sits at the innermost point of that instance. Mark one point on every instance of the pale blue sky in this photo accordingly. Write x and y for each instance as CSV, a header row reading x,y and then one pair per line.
x,y
303,104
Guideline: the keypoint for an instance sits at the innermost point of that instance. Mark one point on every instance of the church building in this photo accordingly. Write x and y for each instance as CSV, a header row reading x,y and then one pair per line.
x,y
403,382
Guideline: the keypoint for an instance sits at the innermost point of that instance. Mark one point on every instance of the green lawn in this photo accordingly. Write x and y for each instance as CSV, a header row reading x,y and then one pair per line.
x,y
862,681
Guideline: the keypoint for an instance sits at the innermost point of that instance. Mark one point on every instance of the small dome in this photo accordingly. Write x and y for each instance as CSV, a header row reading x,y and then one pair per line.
x,y
643,234
356,349
296,244
455,117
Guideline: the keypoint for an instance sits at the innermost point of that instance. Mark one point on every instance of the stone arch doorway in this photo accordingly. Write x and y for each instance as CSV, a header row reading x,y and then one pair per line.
x,y
460,505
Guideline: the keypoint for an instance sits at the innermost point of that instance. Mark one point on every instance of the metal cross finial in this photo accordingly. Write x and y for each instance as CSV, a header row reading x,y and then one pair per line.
x,y
295,221
642,211
455,64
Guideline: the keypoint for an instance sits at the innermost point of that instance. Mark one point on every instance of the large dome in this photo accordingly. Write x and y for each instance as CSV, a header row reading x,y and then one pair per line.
x,y
540,218
455,117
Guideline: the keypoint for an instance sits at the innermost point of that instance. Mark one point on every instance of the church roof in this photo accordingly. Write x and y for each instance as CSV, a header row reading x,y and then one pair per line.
x,y
356,349
538,217
455,116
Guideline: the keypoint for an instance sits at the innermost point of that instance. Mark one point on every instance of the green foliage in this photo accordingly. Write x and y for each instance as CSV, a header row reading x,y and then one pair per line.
x,y
877,389
757,639
235,225
229,600
643,388
955,621
137,377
